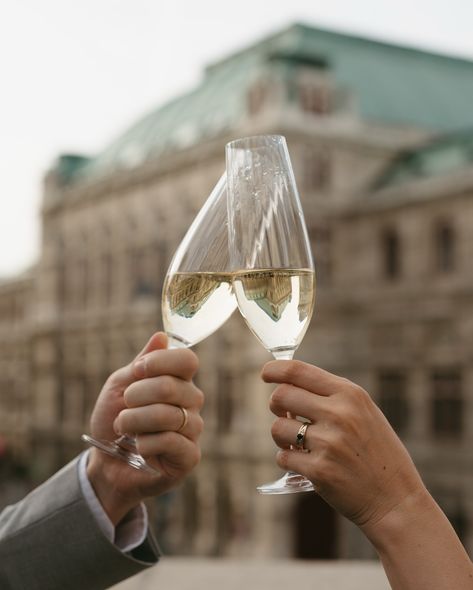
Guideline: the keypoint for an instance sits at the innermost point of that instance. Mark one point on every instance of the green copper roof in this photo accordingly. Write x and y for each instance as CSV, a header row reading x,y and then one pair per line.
x,y
391,84
443,155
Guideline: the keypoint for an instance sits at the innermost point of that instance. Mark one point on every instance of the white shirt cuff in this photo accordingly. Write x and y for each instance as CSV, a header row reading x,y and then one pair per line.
x,y
131,530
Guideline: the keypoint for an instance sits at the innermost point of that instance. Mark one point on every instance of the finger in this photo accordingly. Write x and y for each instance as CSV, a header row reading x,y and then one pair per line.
x,y
126,375
163,389
182,363
287,398
296,462
177,454
159,418
284,432
303,375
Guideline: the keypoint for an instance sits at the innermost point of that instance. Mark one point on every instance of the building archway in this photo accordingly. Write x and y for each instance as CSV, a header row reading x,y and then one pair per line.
x,y
315,529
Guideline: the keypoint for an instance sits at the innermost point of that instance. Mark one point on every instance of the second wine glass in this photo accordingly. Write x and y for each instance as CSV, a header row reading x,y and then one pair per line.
x,y
274,279
197,297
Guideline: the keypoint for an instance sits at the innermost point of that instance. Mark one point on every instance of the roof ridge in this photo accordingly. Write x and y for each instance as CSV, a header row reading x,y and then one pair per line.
x,y
343,35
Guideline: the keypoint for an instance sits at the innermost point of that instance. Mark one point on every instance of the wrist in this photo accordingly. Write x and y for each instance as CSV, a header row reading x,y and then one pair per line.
x,y
419,548
402,522
103,481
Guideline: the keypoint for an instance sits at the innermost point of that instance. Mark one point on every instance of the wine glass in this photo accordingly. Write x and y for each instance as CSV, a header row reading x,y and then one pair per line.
x,y
273,272
197,297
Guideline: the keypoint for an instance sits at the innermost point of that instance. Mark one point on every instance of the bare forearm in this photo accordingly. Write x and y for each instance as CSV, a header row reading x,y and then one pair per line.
x,y
419,548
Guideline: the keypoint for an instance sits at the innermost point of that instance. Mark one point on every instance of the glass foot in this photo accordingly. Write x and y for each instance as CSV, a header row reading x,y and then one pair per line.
x,y
289,483
124,451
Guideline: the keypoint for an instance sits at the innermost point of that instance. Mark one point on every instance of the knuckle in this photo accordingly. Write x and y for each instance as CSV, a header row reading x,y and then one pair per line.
x,y
333,443
279,395
166,387
343,419
149,363
277,428
291,370
176,441
190,361
199,398
114,379
199,424
333,413
356,392
322,471
350,409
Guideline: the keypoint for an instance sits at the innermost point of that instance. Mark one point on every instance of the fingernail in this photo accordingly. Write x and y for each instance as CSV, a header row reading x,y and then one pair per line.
x,y
139,368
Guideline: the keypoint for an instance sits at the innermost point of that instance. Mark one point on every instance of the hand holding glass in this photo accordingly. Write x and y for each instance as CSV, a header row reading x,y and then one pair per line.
x,y
197,297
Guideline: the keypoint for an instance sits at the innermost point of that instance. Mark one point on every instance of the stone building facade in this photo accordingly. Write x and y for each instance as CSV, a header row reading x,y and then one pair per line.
x,y
389,212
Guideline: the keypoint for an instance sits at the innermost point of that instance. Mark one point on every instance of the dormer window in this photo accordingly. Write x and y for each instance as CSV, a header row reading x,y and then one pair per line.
x,y
257,95
314,99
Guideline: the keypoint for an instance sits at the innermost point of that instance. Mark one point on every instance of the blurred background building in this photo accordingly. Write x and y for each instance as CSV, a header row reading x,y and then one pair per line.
x,y
381,139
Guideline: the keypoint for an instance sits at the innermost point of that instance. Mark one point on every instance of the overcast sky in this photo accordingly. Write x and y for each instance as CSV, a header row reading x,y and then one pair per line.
x,y
75,74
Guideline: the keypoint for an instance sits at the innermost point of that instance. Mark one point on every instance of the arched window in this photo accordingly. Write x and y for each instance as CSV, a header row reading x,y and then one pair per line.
x,y
444,247
321,243
313,513
447,403
139,272
391,253
392,398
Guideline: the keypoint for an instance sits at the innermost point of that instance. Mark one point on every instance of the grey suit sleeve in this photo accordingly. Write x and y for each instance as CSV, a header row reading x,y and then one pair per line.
x,y
50,540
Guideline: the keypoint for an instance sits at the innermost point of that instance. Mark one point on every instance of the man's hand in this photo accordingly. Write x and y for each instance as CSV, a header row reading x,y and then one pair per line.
x,y
144,399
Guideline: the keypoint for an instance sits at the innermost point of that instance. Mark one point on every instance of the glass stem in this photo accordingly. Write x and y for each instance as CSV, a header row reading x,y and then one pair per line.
x,y
284,355
127,442
176,342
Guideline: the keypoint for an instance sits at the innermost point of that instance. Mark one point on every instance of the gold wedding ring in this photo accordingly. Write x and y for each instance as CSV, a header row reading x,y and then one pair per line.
x,y
185,419
300,436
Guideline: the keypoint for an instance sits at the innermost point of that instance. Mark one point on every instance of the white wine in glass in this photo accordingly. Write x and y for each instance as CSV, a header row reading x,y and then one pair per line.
x,y
273,271
197,297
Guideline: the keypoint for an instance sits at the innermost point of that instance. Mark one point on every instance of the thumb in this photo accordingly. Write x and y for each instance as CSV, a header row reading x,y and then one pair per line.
x,y
125,376
158,341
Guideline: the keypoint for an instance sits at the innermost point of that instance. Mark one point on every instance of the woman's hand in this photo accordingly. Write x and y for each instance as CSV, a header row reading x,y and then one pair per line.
x,y
362,469
355,459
